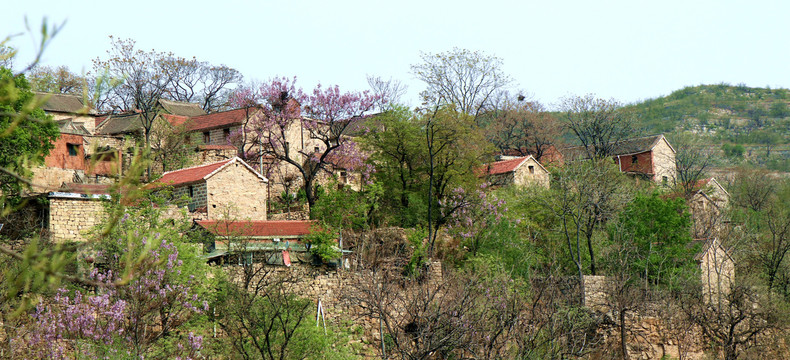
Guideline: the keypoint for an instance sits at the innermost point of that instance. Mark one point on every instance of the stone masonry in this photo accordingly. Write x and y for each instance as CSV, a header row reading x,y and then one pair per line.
x,y
71,218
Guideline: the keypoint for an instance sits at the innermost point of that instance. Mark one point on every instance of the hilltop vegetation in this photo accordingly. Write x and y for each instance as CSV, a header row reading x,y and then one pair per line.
x,y
743,123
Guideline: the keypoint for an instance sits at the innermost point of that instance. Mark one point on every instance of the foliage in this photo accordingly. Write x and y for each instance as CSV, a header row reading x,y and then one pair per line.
x,y
343,208
522,127
658,229
322,242
472,215
57,80
26,133
134,318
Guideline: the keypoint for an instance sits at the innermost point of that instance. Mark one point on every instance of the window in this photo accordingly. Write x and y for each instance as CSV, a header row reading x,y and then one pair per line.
x,y
191,191
206,137
634,159
343,177
226,134
531,169
316,149
664,180
73,149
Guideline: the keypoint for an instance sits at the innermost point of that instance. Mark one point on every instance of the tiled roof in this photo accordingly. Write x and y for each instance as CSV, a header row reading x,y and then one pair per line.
x,y
216,147
218,120
175,120
281,228
624,147
198,173
181,108
63,103
188,175
120,124
504,166
85,188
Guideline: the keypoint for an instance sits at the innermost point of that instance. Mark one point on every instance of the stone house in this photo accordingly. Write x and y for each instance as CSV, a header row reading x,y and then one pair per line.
x,y
69,107
78,156
273,242
649,157
707,205
521,171
225,189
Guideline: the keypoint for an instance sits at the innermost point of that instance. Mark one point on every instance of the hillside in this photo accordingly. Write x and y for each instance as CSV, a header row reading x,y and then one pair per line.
x,y
746,124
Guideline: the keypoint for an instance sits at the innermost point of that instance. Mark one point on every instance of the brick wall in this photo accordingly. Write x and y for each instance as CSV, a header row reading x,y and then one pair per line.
x,y
59,156
70,219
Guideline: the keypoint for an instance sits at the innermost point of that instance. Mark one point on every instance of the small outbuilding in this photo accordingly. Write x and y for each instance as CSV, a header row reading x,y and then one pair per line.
x,y
521,171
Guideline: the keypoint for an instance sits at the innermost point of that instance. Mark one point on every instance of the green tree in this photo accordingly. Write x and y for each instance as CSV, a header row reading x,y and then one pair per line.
x,y
26,132
659,231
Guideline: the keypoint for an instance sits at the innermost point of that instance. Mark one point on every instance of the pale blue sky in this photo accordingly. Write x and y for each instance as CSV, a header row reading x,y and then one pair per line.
x,y
629,50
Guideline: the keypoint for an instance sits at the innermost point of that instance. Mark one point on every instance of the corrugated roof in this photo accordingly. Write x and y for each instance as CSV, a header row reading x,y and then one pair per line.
x,y
218,120
624,147
181,108
63,103
265,228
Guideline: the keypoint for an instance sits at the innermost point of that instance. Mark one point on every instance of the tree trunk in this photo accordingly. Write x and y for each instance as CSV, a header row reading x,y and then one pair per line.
x,y
623,346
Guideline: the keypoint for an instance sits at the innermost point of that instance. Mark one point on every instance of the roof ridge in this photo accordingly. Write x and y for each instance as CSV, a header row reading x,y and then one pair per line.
x,y
198,166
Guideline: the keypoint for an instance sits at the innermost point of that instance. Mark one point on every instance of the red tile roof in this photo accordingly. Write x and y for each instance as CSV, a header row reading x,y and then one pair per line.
x,y
281,228
216,147
218,120
175,120
504,166
188,175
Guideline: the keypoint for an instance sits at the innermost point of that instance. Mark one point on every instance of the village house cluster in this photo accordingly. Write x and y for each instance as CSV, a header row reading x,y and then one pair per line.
x,y
226,196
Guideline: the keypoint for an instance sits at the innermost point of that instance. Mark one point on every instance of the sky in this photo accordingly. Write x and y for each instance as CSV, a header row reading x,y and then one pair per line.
x,y
629,50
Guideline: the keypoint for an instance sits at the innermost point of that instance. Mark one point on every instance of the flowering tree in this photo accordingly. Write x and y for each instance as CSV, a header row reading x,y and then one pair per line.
x,y
131,318
472,214
308,132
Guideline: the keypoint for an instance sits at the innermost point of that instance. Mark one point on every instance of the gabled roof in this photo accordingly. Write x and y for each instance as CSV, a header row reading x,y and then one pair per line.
x,y
199,173
708,245
704,183
67,126
219,119
281,228
181,108
624,147
63,103
507,166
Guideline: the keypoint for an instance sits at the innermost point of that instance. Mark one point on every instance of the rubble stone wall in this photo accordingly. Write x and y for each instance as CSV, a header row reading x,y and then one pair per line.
x,y
70,219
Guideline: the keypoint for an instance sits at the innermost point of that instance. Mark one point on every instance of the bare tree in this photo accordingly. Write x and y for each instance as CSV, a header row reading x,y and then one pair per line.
x,y
462,77
598,124
523,128
389,91
199,81
692,162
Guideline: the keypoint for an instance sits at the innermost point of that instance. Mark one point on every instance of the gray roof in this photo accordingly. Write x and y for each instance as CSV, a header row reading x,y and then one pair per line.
x,y
181,108
67,126
623,147
120,124
63,103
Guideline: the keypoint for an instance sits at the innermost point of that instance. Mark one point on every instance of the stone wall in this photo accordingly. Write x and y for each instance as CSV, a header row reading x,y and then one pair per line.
x,y
237,192
664,162
71,218
198,198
